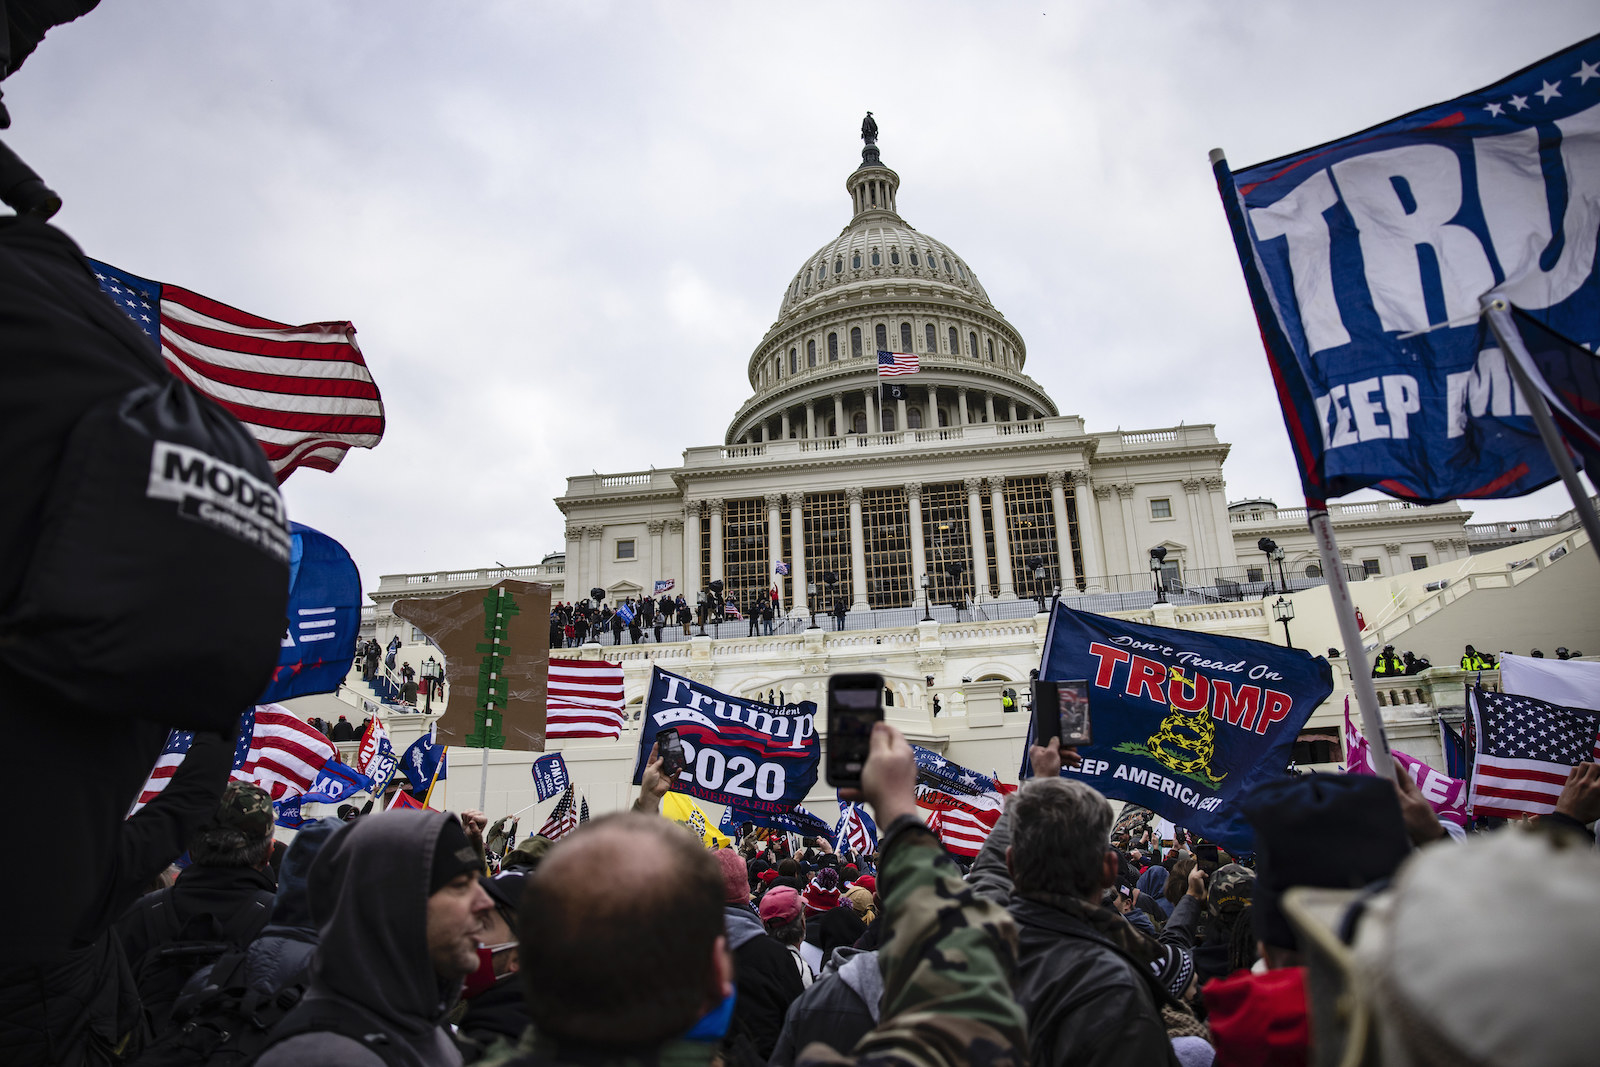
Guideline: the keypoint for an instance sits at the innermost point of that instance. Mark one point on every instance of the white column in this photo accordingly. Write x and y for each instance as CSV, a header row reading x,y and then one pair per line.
x,y
1392,549
774,544
766,431
797,548
691,551
674,531
858,551
1202,528
574,571
919,551
980,551
1002,538
1094,568
961,406
900,413
783,432
1068,573
838,415
932,418
591,556
811,419
714,516
988,406
1226,557
655,526
871,398
1012,405
1136,557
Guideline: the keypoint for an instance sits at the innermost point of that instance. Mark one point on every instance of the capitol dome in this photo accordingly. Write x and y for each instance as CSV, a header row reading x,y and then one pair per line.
x,y
881,285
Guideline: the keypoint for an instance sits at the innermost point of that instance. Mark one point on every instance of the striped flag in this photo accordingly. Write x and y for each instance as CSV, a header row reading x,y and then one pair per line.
x,y
963,830
1525,750
584,699
894,363
564,817
303,392
855,830
275,750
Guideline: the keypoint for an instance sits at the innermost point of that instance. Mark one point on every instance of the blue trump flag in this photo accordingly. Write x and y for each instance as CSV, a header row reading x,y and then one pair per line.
x,y
1368,259
742,754
550,775
799,821
286,813
335,782
1183,722
324,615
422,760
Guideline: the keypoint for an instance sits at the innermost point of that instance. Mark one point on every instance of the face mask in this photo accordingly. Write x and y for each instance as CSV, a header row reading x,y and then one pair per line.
x,y
484,978
714,1024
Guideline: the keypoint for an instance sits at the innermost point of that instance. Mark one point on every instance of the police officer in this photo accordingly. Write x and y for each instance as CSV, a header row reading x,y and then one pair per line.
x,y
1473,660
1388,665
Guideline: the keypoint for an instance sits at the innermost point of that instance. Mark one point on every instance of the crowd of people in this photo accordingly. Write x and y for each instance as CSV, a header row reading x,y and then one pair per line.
x,y
413,937
590,620
1389,665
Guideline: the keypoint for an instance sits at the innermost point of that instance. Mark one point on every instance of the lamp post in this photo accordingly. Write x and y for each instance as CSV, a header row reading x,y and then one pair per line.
x,y
1036,563
1268,548
1277,556
1283,611
811,601
927,607
1158,555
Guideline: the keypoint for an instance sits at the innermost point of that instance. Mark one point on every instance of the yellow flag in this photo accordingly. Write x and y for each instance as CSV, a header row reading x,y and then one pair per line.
x,y
680,808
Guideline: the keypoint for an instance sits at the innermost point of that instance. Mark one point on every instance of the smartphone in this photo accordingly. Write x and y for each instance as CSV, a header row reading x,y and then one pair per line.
x,y
855,703
1061,709
1206,858
669,746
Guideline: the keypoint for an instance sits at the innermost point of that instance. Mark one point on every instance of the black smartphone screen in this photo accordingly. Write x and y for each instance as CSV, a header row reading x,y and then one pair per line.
x,y
855,703
1061,709
1206,858
670,749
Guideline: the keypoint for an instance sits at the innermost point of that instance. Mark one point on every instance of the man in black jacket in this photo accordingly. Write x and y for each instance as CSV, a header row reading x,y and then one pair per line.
x,y
768,979
1084,976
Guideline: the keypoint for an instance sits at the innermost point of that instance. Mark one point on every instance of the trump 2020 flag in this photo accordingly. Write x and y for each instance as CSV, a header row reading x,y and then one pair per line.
x,y
335,782
1368,260
741,753
324,617
550,775
799,821
375,757
1183,721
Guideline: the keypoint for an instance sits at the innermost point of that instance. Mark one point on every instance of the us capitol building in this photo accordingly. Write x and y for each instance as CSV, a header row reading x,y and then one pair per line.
x,y
940,509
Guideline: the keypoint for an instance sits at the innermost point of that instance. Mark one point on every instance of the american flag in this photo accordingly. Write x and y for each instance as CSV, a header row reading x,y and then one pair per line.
x,y
855,830
275,750
584,699
893,363
963,832
565,816
303,392
1525,750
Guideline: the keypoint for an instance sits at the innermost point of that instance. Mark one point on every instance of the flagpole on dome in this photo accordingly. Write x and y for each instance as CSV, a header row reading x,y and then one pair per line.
x,y
1522,368
1344,608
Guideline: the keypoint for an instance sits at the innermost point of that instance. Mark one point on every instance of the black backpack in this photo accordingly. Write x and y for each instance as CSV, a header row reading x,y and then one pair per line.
x,y
227,1022
161,973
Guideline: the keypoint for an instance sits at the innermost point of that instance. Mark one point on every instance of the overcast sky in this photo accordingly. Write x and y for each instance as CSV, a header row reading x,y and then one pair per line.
x,y
561,228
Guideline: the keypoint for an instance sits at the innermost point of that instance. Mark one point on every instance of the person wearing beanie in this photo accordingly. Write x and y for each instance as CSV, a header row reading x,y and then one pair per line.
x,y
768,980
831,921
399,909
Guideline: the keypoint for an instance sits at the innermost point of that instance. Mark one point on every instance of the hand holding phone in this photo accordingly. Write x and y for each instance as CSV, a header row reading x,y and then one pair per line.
x,y
855,704
1061,709
670,746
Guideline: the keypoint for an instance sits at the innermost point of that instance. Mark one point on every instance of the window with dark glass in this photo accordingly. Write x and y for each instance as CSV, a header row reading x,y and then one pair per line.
x,y
972,344
833,348
947,264
745,558
822,270
959,272
914,261
855,260
1418,562
827,540
625,548
875,259
794,361
945,541
913,418
1031,528
811,353
905,337
858,422
1371,567
855,341
894,257
838,265
886,533
1313,571
931,336
955,345
881,333
1161,508
990,343
886,418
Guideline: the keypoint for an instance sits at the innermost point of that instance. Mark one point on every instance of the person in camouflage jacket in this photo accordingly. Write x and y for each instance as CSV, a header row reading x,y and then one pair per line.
x,y
947,959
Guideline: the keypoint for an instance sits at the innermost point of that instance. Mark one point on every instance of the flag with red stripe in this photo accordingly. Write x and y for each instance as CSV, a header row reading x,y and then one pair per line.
x,y
303,392
564,817
584,699
275,750
1525,749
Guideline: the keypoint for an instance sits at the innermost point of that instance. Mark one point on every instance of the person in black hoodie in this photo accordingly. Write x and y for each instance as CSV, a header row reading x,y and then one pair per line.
x,y
222,899
399,911
768,979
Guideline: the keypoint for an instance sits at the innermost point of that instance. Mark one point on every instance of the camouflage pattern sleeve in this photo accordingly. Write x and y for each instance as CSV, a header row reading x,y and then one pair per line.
x,y
948,961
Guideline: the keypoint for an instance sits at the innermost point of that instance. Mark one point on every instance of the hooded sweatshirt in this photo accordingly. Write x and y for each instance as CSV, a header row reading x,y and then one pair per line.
x,y
369,897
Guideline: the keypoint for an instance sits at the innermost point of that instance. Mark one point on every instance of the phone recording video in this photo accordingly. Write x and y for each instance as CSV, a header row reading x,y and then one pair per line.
x,y
855,704
1061,709
669,746
1206,858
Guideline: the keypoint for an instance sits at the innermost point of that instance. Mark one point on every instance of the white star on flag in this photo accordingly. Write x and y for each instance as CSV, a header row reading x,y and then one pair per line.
x,y
1586,71
1494,109
1548,91
1520,103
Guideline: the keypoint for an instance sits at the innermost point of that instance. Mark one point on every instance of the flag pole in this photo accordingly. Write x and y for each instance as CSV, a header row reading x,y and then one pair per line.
x,y
1344,610
1519,363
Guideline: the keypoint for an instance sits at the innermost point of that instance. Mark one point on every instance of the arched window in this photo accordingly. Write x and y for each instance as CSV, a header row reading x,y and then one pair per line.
x,y
833,348
1313,571
894,257
858,422
955,345
838,265
947,264
876,260
905,337
959,272
855,261
882,337
886,417
990,343
943,419
931,336
855,341
972,344
914,261
777,367
794,361
811,354
822,270
914,418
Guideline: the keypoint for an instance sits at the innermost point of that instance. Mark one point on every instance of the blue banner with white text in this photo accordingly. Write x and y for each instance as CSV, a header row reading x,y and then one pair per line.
x,y
799,821
1368,258
550,775
324,616
335,782
741,753
1183,721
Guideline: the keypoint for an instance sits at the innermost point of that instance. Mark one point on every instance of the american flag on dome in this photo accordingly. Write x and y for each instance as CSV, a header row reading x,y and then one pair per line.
x,y
584,699
1525,749
303,392
275,750
893,363
564,817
